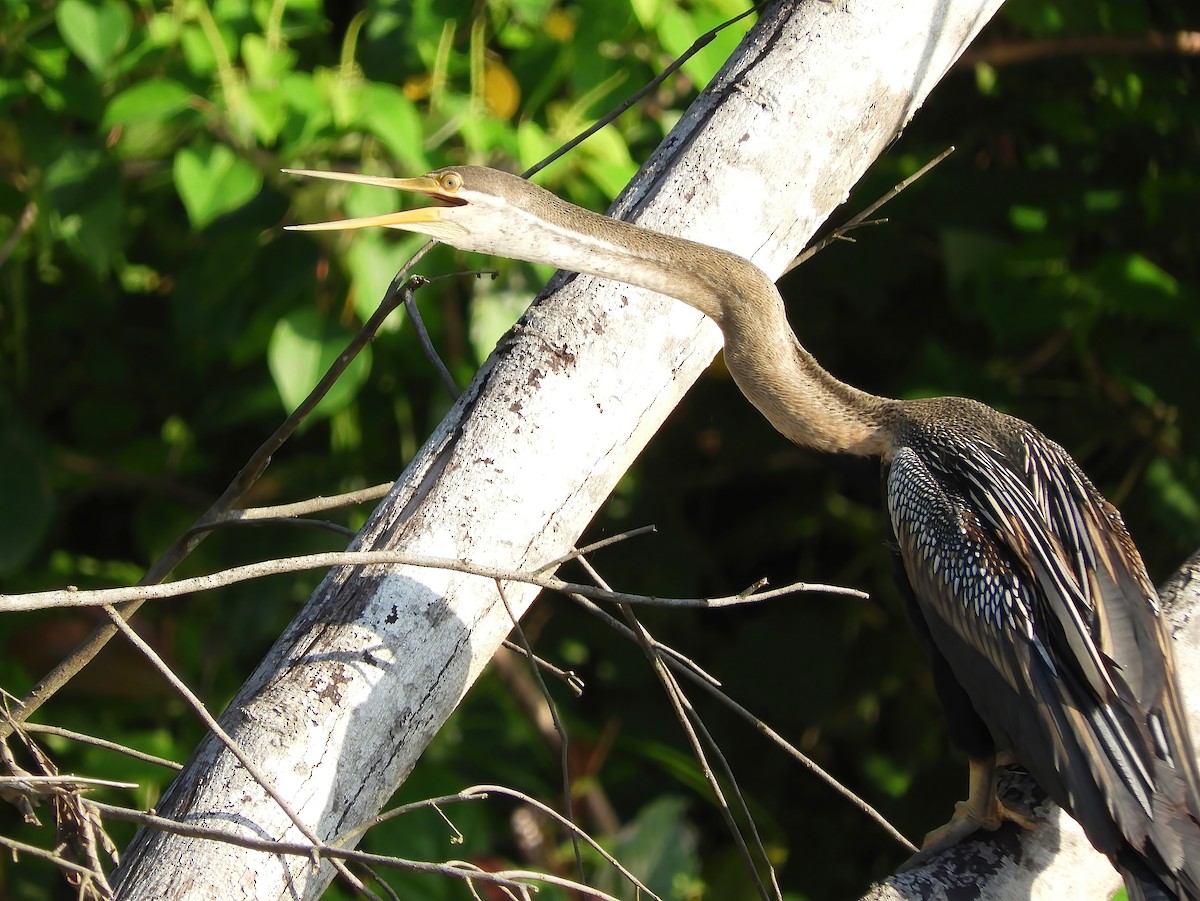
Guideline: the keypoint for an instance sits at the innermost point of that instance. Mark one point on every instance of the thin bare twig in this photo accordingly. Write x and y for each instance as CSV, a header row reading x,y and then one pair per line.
x,y
431,354
74,597
567,677
293,522
678,702
226,739
480,793
1004,53
42,729
292,514
697,45
577,552
864,218
315,504
60,781
34,851
703,731
514,879
564,740
683,665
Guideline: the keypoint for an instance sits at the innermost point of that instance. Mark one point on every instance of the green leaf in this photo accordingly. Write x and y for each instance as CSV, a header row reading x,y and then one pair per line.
x,y
28,504
303,346
676,29
268,114
1172,493
308,113
373,259
83,188
1027,218
152,100
1136,287
660,846
96,32
393,118
266,64
493,313
213,181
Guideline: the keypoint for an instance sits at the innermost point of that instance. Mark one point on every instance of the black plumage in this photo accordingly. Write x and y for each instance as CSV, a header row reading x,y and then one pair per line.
x,y
1045,631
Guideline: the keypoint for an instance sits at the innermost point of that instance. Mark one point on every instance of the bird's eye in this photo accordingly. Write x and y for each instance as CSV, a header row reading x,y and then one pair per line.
x,y
450,182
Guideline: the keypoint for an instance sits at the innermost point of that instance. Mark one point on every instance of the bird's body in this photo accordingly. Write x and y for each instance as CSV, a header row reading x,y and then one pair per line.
x,y
1045,632
1043,625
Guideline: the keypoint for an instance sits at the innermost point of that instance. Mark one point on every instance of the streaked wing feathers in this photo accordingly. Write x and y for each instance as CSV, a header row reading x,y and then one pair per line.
x,y
1016,552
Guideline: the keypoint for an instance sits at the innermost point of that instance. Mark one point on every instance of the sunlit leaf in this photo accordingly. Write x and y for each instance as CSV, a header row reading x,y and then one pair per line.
x,y
212,181
264,63
677,29
268,113
152,100
304,344
1135,286
393,118
493,313
95,31
374,258
1028,218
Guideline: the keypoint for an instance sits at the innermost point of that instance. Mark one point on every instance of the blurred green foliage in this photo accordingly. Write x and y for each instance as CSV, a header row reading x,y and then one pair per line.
x,y
156,324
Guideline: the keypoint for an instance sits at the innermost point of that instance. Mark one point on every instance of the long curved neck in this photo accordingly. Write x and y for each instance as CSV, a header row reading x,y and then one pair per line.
x,y
803,401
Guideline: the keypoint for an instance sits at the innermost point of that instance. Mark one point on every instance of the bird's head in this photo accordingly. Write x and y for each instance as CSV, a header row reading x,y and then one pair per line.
x,y
475,208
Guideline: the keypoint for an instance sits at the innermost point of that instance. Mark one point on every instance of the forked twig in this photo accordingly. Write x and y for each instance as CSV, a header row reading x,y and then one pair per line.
x,y
864,218
680,706
264,781
513,879
480,793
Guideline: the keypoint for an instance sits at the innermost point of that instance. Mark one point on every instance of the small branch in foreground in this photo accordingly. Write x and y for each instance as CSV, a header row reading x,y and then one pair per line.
x,y
226,739
680,706
511,879
1005,53
864,218
564,740
480,793
39,784
567,677
612,115
683,665
74,597
41,729
57,859
578,552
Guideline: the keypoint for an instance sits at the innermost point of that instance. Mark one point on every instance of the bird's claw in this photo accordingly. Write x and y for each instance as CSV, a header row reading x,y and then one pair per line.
x,y
970,816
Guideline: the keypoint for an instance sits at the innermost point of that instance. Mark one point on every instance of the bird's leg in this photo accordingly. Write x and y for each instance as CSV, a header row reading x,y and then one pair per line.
x,y
983,809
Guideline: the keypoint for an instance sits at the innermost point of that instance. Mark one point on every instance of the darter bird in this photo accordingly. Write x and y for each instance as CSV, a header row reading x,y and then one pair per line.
x,y
1044,629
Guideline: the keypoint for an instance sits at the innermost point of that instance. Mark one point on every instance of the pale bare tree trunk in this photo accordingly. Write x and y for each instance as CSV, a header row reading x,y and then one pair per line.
x,y
348,698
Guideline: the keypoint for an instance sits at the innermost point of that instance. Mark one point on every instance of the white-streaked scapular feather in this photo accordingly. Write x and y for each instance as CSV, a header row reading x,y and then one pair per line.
x,y
1025,577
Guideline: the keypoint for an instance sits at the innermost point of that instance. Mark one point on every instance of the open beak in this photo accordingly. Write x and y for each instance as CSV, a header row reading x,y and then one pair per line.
x,y
405,219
